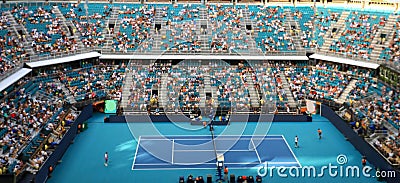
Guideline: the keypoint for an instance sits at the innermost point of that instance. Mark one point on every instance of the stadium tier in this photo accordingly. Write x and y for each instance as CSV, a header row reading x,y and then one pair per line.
x,y
199,64
35,31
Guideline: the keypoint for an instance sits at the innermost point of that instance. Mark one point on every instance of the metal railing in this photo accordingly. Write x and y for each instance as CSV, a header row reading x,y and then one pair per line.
x,y
8,73
35,58
204,52
394,64
347,56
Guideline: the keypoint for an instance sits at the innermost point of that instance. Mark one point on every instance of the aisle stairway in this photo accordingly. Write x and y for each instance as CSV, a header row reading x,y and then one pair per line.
x,y
389,32
211,89
108,35
289,95
254,98
252,45
43,96
17,27
163,92
64,27
203,98
206,36
70,97
247,18
343,97
329,37
158,19
388,29
291,26
126,89
60,16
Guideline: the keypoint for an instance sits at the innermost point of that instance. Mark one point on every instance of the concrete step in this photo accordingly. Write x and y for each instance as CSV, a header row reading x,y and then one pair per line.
x,y
345,93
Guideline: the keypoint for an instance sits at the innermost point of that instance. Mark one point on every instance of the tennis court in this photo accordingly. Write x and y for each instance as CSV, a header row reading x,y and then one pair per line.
x,y
198,152
84,159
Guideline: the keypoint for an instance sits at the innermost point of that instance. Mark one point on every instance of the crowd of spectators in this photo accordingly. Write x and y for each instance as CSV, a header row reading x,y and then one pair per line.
x,y
12,51
180,33
233,87
182,27
269,79
227,29
90,26
95,82
53,133
361,29
52,89
141,91
270,27
173,90
135,29
319,83
378,110
45,28
11,47
23,117
183,90
6,66
185,87
181,36
31,125
390,148
50,36
314,24
180,12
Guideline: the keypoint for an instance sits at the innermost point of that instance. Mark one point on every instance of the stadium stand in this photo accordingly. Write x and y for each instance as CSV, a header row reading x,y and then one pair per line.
x,y
270,25
45,29
134,29
92,27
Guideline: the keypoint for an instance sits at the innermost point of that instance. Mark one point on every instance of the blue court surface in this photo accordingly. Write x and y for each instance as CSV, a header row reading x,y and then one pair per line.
x,y
198,152
84,159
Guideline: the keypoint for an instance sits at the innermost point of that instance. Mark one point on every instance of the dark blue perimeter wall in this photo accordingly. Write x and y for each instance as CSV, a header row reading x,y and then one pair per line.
x,y
359,143
233,118
41,175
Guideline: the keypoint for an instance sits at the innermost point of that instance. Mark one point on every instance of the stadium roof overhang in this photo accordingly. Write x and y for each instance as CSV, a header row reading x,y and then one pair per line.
x,y
345,61
202,57
14,78
63,59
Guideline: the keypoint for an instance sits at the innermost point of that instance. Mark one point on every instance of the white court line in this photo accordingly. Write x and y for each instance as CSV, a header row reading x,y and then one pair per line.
x,y
148,137
173,146
137,148
185,168
215,139
255,149
291,151
180,135
206,150
247,163
241,163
